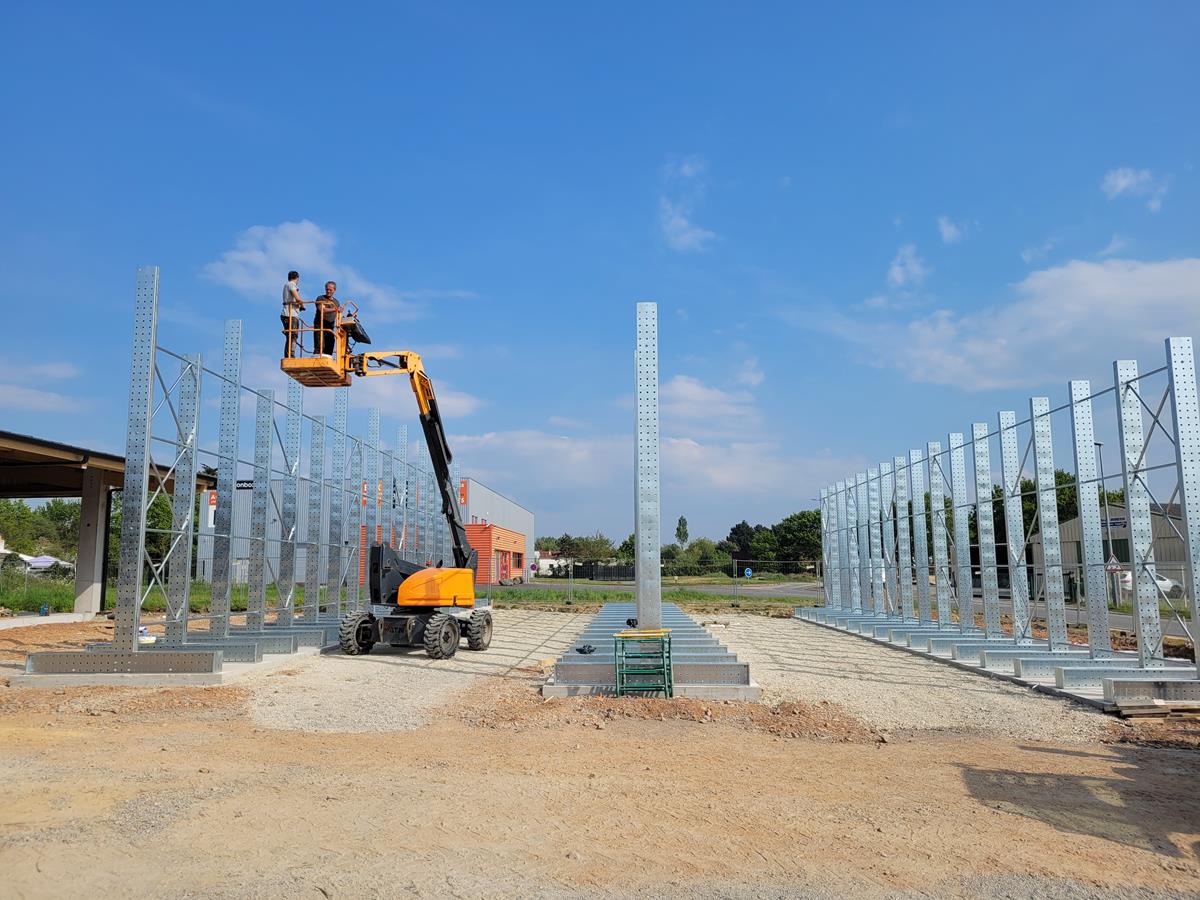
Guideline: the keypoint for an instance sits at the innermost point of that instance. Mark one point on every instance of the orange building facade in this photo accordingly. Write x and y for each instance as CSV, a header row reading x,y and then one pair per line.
x,y
501,553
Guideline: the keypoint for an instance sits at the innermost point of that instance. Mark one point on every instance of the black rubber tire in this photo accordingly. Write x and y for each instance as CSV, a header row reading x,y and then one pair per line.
x,y
479,630
350,634
441,636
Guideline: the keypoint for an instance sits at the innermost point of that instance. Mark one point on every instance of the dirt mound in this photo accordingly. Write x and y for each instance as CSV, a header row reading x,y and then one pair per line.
x,y
517,706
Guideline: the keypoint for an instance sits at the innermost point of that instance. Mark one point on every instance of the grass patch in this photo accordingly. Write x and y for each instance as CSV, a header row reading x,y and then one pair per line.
x,y
693,601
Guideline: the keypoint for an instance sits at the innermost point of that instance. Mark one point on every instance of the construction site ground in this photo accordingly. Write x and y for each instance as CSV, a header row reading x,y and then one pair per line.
x,y
865,772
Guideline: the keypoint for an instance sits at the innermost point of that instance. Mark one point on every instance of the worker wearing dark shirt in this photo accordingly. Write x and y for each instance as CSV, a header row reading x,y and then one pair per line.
x,y
325,320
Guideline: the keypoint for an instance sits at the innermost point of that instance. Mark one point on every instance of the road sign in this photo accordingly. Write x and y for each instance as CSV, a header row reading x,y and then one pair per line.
x,y
748,572
1113,565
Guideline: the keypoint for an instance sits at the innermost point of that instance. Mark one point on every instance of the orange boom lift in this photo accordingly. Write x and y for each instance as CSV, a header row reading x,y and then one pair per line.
x,y
411,605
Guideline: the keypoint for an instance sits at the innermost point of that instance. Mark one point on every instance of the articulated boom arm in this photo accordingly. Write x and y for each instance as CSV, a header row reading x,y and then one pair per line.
x,y
405,362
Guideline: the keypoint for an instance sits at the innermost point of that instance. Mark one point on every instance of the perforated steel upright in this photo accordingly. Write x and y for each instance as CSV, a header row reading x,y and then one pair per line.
x,y
312,535
264,425
864,540
403,477
853,567
227,472
337,502
357,524
941,556
887,524
1014,527
183,499
1146,619
1185,410
288,513
833,574
137,461
986,528
374,479
845,536
1047,499
1095,580
875,537
903,546
964,587
916,475
647,512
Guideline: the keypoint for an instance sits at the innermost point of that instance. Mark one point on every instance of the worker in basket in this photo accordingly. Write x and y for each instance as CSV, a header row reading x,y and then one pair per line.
x,y
331,315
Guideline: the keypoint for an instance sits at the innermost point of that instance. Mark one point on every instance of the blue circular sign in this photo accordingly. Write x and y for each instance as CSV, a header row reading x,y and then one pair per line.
x,y
749,572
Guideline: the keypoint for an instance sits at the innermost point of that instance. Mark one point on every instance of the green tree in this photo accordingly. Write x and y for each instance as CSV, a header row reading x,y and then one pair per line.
x,y
740,536
670,552
798,536
546,544
681,532
764,544
628,548
62,516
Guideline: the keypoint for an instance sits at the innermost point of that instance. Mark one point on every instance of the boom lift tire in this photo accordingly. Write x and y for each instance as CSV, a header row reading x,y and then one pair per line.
x,y
479,630
441,636
354,634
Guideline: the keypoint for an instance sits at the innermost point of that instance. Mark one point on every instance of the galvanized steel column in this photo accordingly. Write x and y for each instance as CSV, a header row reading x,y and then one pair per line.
x,y
264,424
373,479
356,565
1146,620
916,474
845,535
1014,527
183,500
402,476
963,581
137,461
941,556
289,508
833,575
1185,410
1047,496
904,550
825,547
864,540
887,498
227,468
337,501
647,512
853,581
986,526
312,532
1095,578
876,541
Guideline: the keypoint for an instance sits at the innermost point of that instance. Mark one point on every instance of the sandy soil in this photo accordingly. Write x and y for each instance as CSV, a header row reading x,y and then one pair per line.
x,y
487,790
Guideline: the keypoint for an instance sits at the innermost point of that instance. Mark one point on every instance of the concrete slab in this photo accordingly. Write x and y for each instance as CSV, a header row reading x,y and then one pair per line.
x,y
702,667
52,619
229,673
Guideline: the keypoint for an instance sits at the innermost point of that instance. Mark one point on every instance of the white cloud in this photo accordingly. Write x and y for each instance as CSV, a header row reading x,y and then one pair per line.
x,y
262,255
785,182
907,268
1135,183
678,229
16,393
16,396
1115,246
750,373
1033,254
684,184
689,405
1060,321
951,231
564,422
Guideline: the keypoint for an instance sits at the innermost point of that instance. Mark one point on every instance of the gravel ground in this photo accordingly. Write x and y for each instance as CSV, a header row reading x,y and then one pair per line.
x,y
394,688
893,690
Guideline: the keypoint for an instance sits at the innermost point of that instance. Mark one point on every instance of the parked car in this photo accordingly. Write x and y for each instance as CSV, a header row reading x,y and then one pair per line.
x,y
1169,586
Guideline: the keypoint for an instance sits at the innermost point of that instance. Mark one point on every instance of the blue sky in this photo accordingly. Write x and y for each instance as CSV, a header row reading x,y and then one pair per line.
x,y
864,226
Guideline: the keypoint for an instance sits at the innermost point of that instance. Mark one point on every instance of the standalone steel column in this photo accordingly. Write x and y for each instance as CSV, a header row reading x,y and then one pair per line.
x,y
845,535
1088,487
903,545
183,504
312,531
826,545
137,461
647,513
833,574
1047,498
963,581
916,474
887,524
288,513
1185,410
941,556
227,472
337,502
986,526
853,581
864,540
1146,620
875,537
1014,527
387,515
